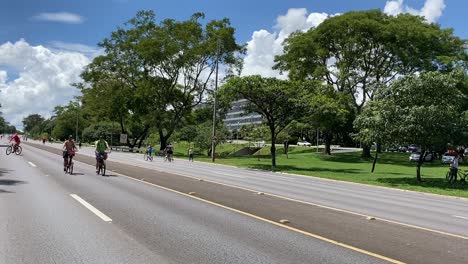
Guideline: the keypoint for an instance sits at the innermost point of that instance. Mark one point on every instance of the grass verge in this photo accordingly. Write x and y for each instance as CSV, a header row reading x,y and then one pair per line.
x,y
392,169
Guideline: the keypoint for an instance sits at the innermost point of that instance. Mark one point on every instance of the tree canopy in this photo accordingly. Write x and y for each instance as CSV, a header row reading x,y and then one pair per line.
x,y
278,101
164,68
425,109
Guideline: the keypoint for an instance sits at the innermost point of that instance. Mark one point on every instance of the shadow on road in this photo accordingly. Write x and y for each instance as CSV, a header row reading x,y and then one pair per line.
x,y
11,182
294,168
438,183
8,182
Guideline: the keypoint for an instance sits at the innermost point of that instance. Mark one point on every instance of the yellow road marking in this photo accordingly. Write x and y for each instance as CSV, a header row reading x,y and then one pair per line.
x,y
318,205
330,208
331,241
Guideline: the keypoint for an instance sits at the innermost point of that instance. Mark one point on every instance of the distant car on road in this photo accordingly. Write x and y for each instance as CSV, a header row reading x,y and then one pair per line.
x,y
416,155
304,143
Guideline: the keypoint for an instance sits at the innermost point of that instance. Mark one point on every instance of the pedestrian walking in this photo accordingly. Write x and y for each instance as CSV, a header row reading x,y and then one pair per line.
x,y
190,154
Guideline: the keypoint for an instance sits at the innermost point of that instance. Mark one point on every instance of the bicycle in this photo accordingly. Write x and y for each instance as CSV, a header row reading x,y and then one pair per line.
x,y
69,168
17,150
101,164
147,157
452,177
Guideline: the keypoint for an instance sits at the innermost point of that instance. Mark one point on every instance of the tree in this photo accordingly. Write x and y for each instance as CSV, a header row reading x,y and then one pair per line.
x,y
424,109
328,110
167,67
31,121
276,100
67,121
359,52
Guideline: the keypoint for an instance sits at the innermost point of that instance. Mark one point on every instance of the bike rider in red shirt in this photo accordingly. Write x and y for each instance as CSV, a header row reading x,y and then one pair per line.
x,y
16,140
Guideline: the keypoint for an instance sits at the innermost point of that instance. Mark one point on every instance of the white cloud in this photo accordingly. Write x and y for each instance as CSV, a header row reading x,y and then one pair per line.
x,y
431,10
63,17
265,45
76,47
43,79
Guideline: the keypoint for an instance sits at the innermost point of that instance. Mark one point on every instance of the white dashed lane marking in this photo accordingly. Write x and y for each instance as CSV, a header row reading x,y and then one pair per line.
x,y
93,209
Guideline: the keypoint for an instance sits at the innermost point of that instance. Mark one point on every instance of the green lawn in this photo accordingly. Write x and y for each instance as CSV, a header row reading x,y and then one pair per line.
x,y
392,169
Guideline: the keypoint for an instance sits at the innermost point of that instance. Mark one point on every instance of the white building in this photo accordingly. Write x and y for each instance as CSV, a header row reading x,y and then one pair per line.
x,y
236,117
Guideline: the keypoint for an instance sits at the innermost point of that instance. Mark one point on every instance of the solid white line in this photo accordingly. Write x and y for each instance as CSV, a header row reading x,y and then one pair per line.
x,y
463,217
91,208
32,164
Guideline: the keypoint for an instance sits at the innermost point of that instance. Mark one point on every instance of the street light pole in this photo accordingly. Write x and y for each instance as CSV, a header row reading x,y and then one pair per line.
x,y
213,136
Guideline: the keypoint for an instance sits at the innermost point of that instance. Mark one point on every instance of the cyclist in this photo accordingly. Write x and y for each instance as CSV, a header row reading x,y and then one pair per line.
x,y
149,150
101,148
169,151
69,149
16,140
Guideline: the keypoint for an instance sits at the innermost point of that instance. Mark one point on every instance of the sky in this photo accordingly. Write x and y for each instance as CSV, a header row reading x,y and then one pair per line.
x,y
45,45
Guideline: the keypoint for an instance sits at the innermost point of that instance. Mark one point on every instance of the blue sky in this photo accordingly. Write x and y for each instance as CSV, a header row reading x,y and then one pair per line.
x,y
103,16
45,44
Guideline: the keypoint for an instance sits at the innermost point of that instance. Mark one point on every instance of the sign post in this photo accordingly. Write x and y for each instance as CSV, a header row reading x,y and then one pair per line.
x,y
123,138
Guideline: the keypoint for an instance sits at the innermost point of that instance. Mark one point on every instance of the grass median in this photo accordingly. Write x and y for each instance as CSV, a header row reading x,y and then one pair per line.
x,y
392,169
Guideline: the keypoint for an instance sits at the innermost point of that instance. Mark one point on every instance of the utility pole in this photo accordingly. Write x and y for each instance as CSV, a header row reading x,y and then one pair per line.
x,y
213,136
76,128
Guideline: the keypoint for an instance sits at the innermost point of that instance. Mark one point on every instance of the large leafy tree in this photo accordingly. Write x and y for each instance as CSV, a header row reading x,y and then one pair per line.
x,y
278,101
327,110
164,68
32,121
359,52
67,120
425,109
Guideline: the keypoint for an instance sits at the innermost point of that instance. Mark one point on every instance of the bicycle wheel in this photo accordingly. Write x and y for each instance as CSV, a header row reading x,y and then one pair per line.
x,y
8,150
453,178
448,175
103,169
145,157
70,168
18,151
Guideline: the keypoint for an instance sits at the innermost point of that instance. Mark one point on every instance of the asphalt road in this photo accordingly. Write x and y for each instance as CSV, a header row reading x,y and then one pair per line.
x,y
43,221
439,213
376,239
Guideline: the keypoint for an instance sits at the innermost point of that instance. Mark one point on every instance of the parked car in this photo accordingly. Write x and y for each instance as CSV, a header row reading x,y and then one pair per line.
x,y
304,143
416,155
413,148
403,149
449,156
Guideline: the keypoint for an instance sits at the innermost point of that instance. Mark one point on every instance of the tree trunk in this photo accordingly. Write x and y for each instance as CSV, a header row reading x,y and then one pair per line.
x,y
420,162
138,140
328,140
375,161
286,148
366,151
163,140
273,152
378,148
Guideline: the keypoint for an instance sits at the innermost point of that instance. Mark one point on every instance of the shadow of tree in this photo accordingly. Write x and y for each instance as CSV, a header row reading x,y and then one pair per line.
x,y
11,182
439,183
294,168
384,158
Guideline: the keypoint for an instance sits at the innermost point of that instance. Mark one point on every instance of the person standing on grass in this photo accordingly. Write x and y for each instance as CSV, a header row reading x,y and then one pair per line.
x,y
454,166
190,154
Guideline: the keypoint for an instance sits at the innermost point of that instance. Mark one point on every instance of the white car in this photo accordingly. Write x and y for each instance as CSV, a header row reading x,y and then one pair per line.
x,y
448,157
304,144
415,156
